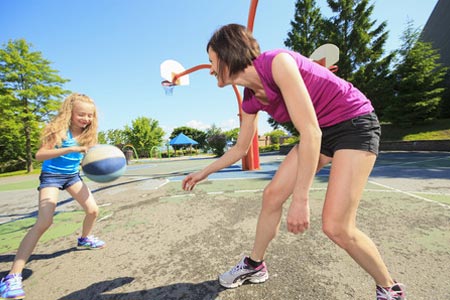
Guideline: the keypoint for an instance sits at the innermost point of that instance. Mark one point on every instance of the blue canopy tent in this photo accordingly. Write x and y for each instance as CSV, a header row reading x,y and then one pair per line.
x,y
182,140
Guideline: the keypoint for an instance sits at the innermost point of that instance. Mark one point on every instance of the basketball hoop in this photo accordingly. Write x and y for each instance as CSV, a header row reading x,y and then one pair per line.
x,y
168,87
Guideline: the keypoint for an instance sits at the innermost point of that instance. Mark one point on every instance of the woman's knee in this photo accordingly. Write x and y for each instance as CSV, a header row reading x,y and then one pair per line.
x,y
341,235
272,198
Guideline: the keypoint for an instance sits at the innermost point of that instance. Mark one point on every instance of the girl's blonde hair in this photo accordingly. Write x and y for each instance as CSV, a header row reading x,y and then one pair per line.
x,y
56,130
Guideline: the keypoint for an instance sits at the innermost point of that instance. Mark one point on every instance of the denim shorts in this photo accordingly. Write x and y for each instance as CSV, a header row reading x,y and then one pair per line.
x,y
359,133
61,181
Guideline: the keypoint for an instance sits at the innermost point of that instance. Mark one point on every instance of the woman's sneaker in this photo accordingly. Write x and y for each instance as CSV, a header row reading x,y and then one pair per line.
x,y
11,287
90,242
395,292
243,272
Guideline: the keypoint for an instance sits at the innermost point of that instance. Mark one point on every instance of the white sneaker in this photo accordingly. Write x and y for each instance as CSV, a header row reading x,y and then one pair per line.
x,y
243,272
395,292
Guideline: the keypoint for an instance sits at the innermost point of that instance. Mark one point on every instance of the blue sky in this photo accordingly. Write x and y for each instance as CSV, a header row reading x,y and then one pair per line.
x,y
111,50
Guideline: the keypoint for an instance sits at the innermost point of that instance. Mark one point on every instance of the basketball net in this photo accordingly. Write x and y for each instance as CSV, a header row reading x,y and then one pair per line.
x,y
168,87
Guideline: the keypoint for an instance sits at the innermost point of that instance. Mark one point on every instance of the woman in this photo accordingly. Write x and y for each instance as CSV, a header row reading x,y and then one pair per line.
x,y
337,125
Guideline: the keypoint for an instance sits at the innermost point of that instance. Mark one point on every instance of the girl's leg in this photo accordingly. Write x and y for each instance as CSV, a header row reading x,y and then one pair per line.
x,y
81,193
348,177
274,196
48,198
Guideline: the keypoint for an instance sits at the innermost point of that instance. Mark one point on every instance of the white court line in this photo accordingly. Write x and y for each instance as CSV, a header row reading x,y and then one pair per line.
x,y
410,194
105,217
410,162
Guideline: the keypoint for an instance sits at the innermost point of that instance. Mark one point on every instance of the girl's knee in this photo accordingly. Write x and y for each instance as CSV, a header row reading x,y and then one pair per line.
x,y
42,226
92,211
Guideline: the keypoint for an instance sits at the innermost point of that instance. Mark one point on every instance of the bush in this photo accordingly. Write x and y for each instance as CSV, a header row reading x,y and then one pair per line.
x,y
270,148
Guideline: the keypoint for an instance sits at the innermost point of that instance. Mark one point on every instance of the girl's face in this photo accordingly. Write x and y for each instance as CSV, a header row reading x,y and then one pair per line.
x,y
214,70
82,115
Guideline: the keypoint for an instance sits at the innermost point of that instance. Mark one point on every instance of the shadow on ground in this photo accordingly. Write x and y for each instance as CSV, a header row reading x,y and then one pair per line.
x,y
190,291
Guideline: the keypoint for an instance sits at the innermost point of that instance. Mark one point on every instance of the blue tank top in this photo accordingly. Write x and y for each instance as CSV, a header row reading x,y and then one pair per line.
x,y
334,99
65,164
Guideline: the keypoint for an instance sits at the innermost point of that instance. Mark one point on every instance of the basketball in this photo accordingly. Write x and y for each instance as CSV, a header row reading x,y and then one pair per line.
x,y
104,163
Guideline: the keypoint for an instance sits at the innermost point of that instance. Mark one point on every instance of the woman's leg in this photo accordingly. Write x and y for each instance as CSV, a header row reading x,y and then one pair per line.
x,y
48,197
348,177
81,193
274,196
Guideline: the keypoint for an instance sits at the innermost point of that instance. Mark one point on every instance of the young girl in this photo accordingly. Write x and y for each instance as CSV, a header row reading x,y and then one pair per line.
x,y
337,125
64,142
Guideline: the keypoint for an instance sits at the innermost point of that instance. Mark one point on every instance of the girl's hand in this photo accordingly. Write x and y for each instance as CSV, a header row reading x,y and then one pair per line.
x,y
191,180
81,149
298,216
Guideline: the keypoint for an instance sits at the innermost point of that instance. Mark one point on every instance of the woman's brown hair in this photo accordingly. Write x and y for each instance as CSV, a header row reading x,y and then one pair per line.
x,y
236,48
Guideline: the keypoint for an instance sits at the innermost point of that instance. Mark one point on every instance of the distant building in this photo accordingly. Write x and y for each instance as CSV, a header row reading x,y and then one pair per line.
x,y
437,30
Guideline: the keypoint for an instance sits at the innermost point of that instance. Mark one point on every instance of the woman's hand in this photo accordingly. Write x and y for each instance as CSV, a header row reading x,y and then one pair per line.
x,y
191,180
298,216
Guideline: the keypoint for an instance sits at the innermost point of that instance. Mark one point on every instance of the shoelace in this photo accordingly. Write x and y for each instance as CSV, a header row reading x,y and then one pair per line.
x,y
92,239
237,268
14,283
388,294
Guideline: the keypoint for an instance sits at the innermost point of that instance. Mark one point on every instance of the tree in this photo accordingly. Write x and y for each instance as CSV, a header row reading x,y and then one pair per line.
x,y
307,31
144,134
288,126
113,137
217,143
216,140
360,42
195,134
30,94
232,134
275,136
417,80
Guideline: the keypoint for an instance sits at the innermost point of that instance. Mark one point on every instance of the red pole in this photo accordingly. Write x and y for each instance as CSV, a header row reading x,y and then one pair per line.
x,y
251,15
250,162
190,70
253,152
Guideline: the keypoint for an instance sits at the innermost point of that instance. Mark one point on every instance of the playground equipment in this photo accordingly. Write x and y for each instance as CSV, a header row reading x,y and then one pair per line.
x,y
174,74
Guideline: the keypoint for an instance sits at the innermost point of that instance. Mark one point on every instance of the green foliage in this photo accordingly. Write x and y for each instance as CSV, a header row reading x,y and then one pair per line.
x,y
217,143
308,28
291,140
214,130
360,42
232,134
270,148
417,78
288,126
113,137
275,135
30,94
144,134
430,130
195,134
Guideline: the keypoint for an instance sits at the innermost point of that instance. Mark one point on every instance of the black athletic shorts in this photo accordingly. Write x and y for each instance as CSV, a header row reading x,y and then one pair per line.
x,y
359,133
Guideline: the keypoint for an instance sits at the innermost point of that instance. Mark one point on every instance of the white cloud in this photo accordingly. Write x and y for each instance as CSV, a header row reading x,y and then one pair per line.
x,y
198,125
229,124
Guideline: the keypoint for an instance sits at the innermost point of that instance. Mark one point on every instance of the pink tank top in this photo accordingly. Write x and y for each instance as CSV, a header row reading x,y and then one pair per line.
x,y
334,99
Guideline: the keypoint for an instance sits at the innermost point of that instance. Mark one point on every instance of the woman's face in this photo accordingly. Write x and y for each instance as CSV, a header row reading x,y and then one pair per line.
x,y
214,70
